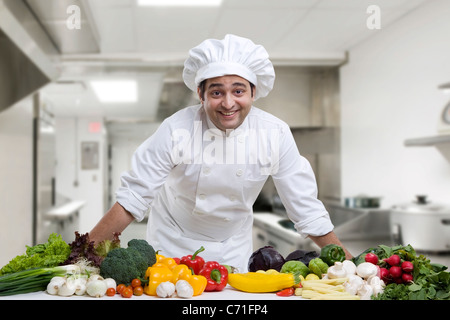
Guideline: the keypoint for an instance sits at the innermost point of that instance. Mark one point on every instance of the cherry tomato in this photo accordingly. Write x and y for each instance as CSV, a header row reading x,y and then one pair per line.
x,y
120,287
110,292
127,292
135,283
138,291
286,292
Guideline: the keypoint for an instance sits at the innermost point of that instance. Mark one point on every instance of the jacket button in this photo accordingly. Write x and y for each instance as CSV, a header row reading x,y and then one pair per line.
x,y
202,196
206,171
239,172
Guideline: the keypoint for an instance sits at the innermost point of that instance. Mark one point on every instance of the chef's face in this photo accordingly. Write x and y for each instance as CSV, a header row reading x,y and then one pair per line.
x,y
227,100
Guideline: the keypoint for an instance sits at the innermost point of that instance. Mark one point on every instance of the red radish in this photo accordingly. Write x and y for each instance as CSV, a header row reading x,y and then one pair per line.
x,y
407,277
372,258
385,275
398,280
407,266
396,272
393,260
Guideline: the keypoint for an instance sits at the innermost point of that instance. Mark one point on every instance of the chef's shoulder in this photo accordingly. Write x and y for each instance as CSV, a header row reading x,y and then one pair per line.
x,y
259,118
183,118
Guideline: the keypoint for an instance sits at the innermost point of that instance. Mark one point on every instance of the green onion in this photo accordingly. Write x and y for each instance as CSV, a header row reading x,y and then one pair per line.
x,y
30,280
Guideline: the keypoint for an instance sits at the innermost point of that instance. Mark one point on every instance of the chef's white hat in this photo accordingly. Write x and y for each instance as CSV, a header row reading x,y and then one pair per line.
x,y
231,56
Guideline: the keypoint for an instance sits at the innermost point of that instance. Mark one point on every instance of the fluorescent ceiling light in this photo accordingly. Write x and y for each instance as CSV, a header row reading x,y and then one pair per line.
x,y
115,90
180,3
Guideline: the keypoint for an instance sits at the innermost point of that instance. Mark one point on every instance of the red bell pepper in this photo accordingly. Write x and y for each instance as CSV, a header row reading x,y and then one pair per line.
x,y
216,276
194,262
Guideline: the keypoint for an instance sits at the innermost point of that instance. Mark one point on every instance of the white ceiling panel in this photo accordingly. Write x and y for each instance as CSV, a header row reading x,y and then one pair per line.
x,y
270,4
117,28
293,32
166,30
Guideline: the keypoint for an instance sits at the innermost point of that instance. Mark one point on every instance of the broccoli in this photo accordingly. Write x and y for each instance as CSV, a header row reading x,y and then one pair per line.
x,y
126,264
145,249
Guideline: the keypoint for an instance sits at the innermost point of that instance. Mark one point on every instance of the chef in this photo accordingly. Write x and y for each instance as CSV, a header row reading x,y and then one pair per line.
x,y
199,174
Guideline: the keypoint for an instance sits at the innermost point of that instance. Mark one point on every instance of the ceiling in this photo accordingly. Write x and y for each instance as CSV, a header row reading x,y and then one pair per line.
x,y
119,39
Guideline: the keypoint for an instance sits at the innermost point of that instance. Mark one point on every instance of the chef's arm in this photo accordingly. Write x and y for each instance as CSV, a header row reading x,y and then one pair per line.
x,y
330,238
115,220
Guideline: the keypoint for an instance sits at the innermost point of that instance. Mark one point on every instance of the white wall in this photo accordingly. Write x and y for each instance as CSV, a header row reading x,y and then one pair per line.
x,y
389,94
71,180
16,177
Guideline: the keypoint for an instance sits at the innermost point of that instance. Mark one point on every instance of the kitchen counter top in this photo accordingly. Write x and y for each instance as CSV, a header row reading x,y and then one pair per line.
x,y
229,293
66,210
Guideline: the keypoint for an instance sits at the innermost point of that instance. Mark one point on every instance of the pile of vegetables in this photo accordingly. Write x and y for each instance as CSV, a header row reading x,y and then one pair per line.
x,y
185,277
380,273
407,276
269,271
70,267
312,275
107,269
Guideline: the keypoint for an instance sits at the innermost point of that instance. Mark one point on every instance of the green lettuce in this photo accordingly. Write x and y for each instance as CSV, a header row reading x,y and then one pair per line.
x,y
45,255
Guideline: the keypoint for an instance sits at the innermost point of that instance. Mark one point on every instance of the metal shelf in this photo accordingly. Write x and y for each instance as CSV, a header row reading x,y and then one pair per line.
x,y
428,141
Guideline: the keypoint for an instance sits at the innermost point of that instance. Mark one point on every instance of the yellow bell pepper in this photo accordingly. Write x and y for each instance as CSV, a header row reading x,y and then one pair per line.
x,y
160,272
178,271
198,282
159,257
155,276
167,261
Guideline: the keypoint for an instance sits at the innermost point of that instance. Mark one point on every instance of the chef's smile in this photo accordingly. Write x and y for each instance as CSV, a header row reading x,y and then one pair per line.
x,y
228,115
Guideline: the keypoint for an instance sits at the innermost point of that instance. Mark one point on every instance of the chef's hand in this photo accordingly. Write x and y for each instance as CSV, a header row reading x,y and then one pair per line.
x,y
330,238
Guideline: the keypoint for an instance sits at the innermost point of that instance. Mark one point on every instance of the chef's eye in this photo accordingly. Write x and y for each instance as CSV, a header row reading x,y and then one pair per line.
x,y
215,93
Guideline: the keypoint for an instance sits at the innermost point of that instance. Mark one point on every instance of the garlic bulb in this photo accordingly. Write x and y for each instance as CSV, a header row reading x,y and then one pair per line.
x,y
184,289
165,289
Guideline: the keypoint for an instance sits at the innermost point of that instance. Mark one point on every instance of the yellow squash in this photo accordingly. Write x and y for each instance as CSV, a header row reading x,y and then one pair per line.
x,y
262,282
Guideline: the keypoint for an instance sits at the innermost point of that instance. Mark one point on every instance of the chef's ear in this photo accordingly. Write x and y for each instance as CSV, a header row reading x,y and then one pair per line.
x,y
200,94
253,88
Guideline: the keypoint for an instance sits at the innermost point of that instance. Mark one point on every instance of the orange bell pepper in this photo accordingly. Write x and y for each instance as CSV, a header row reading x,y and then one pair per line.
x,y
155,276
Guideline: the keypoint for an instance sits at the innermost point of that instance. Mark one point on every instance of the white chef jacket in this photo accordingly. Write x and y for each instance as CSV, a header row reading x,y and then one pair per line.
x,y
198,184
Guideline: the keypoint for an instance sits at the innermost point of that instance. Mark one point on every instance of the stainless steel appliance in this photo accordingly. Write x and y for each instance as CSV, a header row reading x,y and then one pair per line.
x,y
44,162
423,224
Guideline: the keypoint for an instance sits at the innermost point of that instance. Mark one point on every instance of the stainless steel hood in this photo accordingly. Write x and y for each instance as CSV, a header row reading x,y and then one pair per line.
x,y
25,65
33,36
